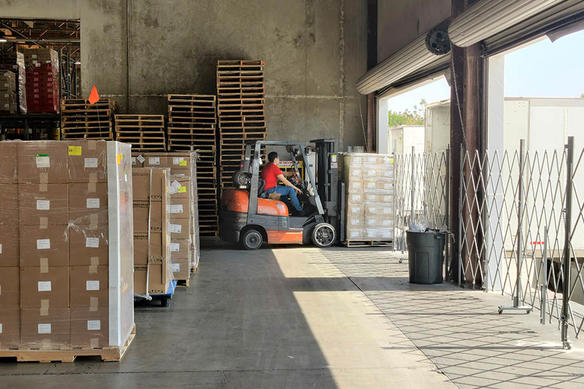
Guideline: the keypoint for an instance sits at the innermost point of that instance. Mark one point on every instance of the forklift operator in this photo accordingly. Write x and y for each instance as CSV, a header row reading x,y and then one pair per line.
x,y
271,174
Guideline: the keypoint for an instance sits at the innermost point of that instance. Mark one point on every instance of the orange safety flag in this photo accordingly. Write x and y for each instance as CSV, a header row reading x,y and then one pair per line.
x,y
93,96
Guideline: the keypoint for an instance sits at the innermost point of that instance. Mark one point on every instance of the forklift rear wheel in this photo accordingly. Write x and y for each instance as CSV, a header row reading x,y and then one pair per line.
x,y
323,235
252,239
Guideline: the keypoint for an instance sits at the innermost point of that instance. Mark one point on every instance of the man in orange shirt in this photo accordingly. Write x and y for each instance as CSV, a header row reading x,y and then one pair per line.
x,y
271,174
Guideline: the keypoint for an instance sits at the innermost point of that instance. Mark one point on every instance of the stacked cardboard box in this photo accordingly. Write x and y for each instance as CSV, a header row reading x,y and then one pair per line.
x,y
369,187
183,206
66,262
15,62
152,266
42,80
8,92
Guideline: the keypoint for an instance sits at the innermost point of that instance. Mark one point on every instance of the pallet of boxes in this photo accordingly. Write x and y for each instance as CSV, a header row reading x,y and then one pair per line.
x,y
369,199
65,250
152,266
182,208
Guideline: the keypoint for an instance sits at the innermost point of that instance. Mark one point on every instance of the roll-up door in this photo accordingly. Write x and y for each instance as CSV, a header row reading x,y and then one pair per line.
x,y
406,61
563,18
489,17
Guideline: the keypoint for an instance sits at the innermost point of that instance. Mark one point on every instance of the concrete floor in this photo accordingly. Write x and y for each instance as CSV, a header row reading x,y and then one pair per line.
x,y
309,318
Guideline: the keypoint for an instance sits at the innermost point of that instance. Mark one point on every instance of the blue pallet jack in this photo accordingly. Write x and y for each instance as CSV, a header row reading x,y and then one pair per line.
x,y
162,297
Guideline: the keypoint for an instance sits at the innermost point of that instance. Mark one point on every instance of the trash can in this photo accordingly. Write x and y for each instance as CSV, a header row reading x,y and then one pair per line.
x,y
425,256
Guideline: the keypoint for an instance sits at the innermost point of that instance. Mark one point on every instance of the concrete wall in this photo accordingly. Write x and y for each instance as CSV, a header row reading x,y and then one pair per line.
x,y
314,50
401,21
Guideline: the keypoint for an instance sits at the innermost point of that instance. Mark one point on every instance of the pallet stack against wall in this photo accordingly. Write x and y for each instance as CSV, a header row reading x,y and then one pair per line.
x,y
83,120
192,126
241,113
66,258
144,132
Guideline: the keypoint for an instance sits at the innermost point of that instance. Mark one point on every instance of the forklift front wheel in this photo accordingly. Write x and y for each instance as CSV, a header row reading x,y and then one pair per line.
x,y
251,239
323,235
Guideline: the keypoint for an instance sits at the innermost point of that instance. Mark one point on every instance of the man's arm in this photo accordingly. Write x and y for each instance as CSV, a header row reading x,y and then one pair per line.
x,y
284,181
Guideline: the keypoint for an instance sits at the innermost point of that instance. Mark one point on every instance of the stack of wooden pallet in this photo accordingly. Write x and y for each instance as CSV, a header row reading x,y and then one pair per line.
x,y
241,113
192,126
82,120
144,132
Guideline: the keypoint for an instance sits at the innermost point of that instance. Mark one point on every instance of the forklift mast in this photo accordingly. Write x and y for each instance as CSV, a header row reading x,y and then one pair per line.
x,y
327,178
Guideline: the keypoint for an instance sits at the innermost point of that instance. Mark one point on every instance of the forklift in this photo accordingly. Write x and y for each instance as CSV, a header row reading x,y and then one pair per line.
x,y
251,217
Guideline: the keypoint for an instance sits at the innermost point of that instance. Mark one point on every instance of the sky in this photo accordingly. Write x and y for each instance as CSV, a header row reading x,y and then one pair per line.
x,y
541,69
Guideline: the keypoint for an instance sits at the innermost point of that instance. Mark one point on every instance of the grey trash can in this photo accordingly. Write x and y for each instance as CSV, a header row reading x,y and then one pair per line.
x,y
425,256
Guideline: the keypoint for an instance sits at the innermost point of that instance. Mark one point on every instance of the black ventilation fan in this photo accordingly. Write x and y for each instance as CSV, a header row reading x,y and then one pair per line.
x,y
438,42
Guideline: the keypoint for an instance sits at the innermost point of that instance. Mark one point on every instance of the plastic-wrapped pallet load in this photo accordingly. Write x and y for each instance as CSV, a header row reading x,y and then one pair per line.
x,y
369,203
183,205
71,267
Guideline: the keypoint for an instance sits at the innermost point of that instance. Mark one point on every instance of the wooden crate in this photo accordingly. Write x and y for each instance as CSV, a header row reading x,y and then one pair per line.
x,y
144,132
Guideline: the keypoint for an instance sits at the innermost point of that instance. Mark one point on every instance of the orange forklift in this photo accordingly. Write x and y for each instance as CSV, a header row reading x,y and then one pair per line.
x,y
251,217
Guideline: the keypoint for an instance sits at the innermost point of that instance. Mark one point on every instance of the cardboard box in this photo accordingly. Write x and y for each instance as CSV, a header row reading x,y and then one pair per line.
x,y
180,228
39,245
88,246
9,245
148,184
89,287
141,216
9,288
179,208
42,162
159,276
8,162
180,248
87,161
44,288
140,249
89,329
88,204
178,162
140,277
9,328
8,204
43,204
181,269
45,331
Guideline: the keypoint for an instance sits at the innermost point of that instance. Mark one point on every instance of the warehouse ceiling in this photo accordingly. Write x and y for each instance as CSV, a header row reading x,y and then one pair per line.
x,y
56,34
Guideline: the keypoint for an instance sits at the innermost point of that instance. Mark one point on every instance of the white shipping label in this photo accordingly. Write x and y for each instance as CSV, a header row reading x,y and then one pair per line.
x,y
44,328
92,203
91,285
176,228
43,205
0,328
44,286
141,159
92,242
174,247
90,163
176,208
175,267
177,160
153,160
174,187
133,160
43,244
93,325
43,161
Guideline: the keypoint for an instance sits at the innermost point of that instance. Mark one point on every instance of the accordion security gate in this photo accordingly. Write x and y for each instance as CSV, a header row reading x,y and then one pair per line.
x,y
521,223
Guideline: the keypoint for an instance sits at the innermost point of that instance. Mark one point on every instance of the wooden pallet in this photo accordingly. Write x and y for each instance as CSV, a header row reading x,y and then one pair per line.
x,y
369,243
183,283
106,354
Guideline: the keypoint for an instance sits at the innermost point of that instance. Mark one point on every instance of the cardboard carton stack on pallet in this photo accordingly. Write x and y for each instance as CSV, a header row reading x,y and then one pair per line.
x,y
191,126
369,187
82,120
182,207
144,132
152,263
14,62
65,257
8,92
42,80
241,112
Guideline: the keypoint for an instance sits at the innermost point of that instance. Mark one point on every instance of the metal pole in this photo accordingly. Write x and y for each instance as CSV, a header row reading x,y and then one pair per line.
x,y
412,189
460,267
520,201
544,276
447,214
567,234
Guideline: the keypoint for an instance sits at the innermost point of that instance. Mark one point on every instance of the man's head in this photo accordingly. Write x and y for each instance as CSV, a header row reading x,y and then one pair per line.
x,y
273,157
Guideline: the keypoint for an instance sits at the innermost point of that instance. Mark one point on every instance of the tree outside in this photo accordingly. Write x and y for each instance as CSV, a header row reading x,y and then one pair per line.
x,y
415,116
